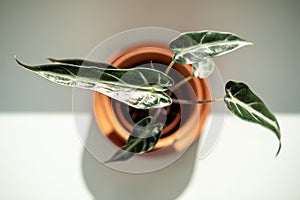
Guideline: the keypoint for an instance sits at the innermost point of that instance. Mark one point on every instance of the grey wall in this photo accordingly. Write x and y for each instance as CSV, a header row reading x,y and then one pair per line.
x,y
35,30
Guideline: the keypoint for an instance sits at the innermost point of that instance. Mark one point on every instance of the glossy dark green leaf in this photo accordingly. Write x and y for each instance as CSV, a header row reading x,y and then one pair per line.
x,y
242,102
141,88
143,138
192,47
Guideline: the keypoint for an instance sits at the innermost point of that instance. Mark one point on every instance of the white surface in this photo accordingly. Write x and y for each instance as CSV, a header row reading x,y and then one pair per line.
x,y
41,158
242,165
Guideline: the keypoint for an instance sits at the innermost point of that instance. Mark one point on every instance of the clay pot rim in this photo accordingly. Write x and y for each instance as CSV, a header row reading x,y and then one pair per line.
x,y
106,103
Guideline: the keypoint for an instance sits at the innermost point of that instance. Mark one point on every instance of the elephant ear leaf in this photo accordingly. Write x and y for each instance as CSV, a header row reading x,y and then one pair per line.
x,y
192,47
242,102
143,138
141,88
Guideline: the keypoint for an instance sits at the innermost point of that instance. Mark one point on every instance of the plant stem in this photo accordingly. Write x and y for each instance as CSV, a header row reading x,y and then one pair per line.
x,y
181,101
151,64
157,113
182,82
169,67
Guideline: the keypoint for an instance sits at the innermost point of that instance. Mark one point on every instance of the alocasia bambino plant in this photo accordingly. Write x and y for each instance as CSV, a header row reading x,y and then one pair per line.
x,y
144,88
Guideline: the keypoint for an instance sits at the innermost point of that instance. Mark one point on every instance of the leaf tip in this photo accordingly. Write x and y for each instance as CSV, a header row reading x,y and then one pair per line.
x,y
247,43
19,62
31,68
279,148
250,43
52,59
115,158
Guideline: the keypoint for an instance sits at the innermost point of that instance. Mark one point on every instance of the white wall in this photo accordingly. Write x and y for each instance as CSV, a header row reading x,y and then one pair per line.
x,y
34,30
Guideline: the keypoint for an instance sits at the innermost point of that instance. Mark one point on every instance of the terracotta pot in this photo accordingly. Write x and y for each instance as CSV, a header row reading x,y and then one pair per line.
x,y
116,119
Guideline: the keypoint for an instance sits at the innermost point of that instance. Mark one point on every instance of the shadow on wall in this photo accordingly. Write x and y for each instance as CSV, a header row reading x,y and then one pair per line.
x,y
167,183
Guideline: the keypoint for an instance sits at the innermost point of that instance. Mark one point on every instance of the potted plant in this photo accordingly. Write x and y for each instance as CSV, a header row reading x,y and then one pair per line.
x,y
149,93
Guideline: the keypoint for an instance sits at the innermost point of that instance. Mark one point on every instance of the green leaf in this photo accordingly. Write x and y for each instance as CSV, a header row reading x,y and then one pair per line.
x,y
204,68
242,102
141,88
120,155
192,47
81,62
143,138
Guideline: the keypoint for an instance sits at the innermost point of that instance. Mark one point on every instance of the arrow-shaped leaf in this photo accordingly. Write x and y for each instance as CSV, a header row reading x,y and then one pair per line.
x,y
143,138
141,88
242,102
192,47
204,68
